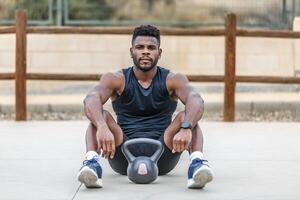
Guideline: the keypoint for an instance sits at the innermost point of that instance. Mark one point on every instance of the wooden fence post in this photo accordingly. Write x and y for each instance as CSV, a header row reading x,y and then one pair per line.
x,y
230,79
20,73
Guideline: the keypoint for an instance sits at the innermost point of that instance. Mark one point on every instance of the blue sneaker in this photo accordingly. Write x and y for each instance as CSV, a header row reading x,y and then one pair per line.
x,y
199,173
90,174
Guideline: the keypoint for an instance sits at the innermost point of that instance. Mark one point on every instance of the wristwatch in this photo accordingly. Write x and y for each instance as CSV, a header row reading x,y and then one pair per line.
x,y
186,125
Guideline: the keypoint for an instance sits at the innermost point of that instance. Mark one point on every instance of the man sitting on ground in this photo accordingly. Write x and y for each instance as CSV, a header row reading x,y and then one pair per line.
x,y
144,98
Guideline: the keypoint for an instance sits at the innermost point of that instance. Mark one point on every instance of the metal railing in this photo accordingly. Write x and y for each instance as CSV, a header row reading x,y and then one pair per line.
x,y
270,14
230,79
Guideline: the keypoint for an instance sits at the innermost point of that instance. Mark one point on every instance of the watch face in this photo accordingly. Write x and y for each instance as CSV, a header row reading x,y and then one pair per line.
x,y
186,125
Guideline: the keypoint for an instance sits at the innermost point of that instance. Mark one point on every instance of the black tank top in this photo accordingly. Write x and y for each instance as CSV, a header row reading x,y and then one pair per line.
x,y
144,112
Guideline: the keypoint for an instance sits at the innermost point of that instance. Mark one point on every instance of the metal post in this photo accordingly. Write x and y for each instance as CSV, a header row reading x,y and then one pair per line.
x,y
58,12
284,14
66,12
293,14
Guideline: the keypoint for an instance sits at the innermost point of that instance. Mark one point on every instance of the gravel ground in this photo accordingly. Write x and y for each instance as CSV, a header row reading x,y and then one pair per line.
x,y
286,116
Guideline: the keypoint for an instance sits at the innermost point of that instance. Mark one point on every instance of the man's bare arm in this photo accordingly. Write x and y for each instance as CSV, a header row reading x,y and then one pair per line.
x,y
109,86
194,104
98,96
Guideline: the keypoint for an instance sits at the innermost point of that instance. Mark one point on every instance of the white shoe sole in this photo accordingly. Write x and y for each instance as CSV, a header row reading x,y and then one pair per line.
x,y
202,176
89,178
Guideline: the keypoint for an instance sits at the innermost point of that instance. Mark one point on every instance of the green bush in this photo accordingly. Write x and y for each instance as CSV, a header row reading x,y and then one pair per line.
x,y
36,9
90,9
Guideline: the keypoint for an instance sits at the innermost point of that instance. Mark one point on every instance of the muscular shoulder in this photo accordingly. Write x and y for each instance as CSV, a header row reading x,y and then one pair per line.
x,y
113,80
175,80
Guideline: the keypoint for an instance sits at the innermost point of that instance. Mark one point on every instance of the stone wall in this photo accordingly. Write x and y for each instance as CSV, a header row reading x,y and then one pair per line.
x,y
189,55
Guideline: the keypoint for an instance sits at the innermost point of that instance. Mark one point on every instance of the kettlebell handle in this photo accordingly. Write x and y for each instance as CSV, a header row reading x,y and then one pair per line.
x,y
130,157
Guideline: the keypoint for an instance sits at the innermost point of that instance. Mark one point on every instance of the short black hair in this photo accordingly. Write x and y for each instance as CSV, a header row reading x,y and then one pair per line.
x,y
146,30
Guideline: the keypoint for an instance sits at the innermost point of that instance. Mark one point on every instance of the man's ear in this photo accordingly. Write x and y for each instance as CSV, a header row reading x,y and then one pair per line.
x,y
160,52
131,53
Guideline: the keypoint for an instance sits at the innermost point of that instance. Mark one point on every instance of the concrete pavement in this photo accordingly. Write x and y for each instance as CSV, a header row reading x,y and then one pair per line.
x,y
257,161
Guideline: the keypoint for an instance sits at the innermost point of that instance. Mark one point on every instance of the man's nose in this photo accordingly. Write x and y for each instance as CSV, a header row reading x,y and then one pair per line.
x,y
146,51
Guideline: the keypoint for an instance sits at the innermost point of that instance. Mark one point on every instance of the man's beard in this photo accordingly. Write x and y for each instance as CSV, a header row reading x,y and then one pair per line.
x,y
144,69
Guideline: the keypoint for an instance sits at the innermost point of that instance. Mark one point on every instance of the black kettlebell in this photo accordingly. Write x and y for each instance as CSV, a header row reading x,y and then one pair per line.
x,y
142,169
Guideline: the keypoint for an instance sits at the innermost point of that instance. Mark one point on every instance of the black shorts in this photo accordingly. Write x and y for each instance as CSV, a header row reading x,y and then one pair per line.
x,y
165,164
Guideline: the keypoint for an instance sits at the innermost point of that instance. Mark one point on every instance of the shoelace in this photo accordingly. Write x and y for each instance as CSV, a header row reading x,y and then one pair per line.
x,y
203,162
91,161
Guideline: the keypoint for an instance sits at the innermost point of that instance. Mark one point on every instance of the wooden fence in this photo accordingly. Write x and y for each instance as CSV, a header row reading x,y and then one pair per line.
x,y
230,79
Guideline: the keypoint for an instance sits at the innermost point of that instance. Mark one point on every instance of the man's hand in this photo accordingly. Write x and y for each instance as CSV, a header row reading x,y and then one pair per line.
x,y
105,141
181,140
